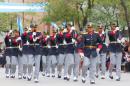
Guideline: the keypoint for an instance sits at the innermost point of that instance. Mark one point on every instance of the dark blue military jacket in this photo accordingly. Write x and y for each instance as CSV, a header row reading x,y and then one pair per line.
x,y
104,47
60,40
115,47
36,42
15,44
43,43
8,43
52,42
91,40
70,47
27,48
12,44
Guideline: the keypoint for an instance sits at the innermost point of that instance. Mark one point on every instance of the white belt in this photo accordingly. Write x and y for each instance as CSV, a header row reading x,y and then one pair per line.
x,y
36,44
28,44
11,47
53,46
61,44
114,42
44,47
31,44
69,43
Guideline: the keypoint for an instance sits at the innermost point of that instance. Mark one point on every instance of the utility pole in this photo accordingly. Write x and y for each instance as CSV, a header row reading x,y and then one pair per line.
x,y
23,15
8,16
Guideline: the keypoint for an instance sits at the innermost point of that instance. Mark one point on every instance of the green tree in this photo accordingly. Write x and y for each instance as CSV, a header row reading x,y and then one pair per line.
x,y
125,5
7,21
64,10
83,11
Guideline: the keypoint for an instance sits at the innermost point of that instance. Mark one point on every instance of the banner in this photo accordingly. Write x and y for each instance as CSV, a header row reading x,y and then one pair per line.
x,y
20,7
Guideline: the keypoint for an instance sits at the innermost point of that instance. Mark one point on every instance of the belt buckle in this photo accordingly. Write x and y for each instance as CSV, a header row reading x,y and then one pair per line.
x,y
90,47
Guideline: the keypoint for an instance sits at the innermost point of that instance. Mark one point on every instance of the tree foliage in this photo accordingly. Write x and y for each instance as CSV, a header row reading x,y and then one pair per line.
x,y
7,21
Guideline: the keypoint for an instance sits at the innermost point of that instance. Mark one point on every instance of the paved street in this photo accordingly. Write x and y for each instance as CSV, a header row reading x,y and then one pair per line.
x,y
45,81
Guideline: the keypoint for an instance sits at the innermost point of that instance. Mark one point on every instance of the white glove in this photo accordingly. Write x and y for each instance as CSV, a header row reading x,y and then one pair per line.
x,y
73,40
27,43
81,55
10,31
56,46
47,36
20,48
9,40
117,28
106,44
49,46
72,28
64,42
34,33
123,40
118,40
18,39
34,39
98,49
103,32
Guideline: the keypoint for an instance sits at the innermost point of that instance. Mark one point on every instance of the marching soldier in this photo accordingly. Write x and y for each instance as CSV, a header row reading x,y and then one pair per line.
x,y
19,52
61,51
8,50
52,53
28,52
69,50
44,51
102,53
115,49
77,55
14,56
37,52
16,41
91,39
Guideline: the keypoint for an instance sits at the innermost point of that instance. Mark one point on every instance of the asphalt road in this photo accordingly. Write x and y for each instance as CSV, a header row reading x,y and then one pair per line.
x,y
45,81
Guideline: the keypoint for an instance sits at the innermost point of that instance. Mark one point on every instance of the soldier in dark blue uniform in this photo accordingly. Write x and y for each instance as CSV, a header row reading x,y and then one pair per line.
x,y
115,49
78,55
91,39
52,53
19,52
61,51
14,53
8,43
44,51
69,50
28,53
101,59
13,47
37,52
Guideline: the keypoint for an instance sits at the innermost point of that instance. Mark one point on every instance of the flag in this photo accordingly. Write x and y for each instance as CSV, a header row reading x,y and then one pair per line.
x,y
20,7
54,25
20,27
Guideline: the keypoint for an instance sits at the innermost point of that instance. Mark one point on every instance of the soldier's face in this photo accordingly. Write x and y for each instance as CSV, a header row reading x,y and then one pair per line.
x,y
113,27
90,29
16,33
25,29
68,27
100,29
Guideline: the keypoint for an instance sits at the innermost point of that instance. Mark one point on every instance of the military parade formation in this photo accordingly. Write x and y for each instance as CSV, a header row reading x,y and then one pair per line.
x,y
64,53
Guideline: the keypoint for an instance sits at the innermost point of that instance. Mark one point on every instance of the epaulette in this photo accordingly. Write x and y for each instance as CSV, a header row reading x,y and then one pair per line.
x,y
95,32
